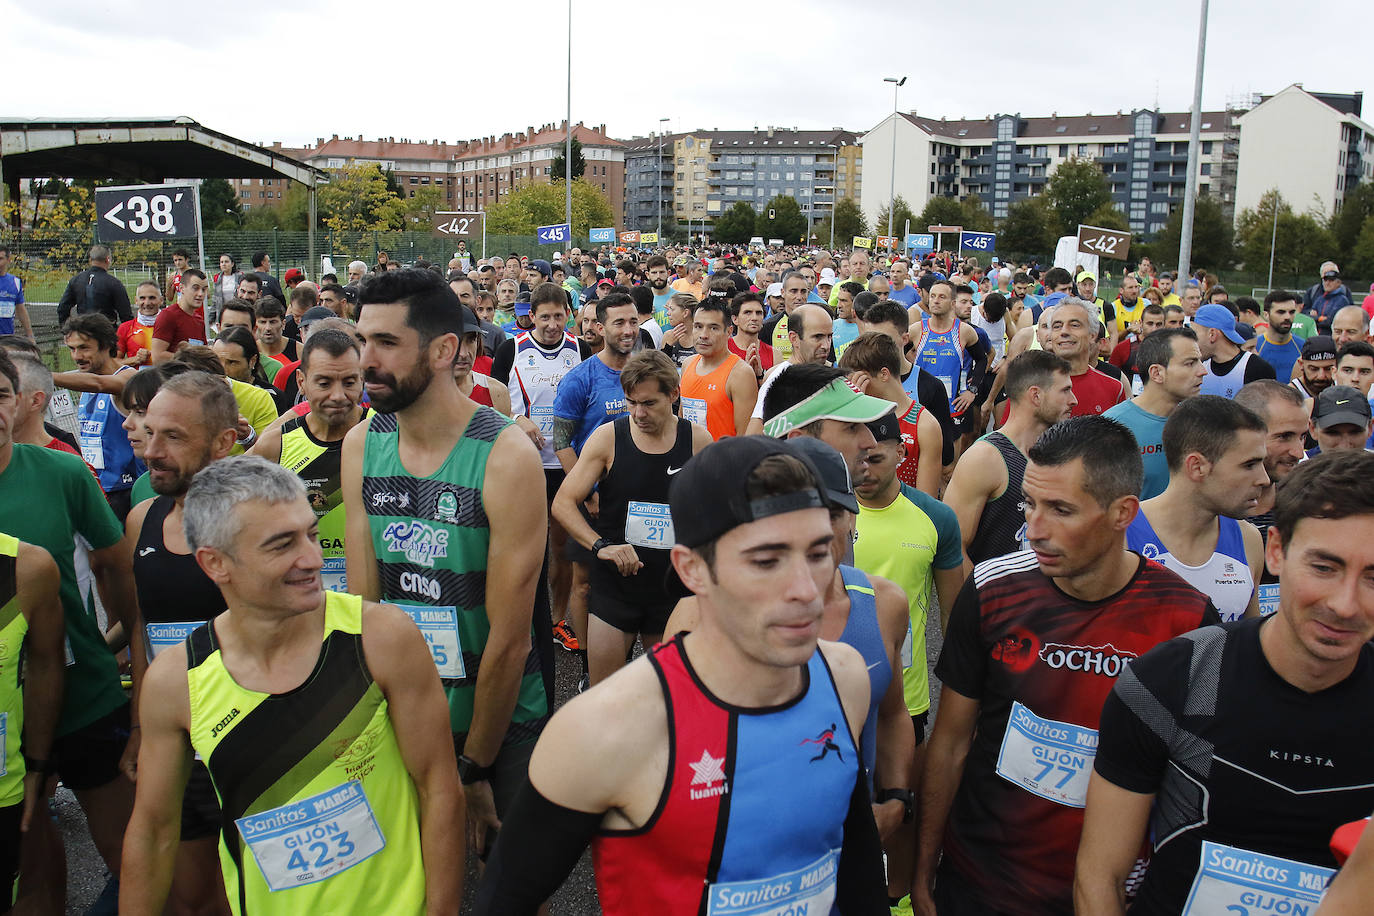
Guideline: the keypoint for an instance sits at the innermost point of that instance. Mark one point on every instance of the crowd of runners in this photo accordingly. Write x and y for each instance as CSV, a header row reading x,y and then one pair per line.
x,y
283,612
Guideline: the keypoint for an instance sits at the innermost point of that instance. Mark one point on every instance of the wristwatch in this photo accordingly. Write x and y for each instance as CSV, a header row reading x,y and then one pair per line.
x,y
905,796
600,543
470,771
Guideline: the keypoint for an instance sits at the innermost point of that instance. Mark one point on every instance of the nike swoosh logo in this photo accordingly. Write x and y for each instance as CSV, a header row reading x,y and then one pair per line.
x,y
146,550
875,664
1346,401
672,471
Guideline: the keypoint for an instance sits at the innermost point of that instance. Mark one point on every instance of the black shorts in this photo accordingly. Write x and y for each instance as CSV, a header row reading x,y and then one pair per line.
x,y
88,758
200,813
960,423
10,838
918,723
627,610
121,501
553,479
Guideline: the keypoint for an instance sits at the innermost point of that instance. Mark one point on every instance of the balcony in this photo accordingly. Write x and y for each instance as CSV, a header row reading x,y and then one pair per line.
x,y
947,159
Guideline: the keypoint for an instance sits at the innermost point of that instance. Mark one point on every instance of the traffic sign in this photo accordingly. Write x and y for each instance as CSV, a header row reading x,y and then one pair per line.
x,y
648,238
553,235
1107,243
602,236
145,211
977,241
861,242
887,241
945,230
629,238
920,242
775,243
458,225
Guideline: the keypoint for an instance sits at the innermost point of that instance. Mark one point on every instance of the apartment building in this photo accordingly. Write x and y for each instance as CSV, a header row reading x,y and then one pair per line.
x,y
1005,158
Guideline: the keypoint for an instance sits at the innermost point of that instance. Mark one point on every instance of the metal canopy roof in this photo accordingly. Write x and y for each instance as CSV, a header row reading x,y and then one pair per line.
x,y
137,149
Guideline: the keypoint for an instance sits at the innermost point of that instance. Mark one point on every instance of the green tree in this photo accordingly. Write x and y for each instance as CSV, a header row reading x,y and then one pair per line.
x,y
975,216
1107,216
421,207
526,209
1030,229
1076,188
940,211
786,222
359,198
1362,254
1302,241
1350,221
849,222
579,165
1213,246
219,205
901,214
736,225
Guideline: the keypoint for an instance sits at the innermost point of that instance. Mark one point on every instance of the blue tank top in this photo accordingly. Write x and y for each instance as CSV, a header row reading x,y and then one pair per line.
x,y
942,356
105,445
1225,577
862,632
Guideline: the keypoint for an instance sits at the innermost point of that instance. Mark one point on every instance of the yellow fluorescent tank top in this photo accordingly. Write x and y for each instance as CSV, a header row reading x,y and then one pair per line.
x,y
13,628
319,812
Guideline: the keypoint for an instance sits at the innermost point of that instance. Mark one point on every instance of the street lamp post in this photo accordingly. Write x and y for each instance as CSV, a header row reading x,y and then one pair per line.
x,y
892,175
659,183
1185,241
567,141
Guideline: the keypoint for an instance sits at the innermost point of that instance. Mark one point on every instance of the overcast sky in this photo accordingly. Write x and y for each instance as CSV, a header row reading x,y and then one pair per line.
x,y
425,69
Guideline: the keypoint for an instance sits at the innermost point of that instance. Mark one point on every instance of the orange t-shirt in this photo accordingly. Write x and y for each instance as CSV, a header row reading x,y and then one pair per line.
x,y
705,398
134,337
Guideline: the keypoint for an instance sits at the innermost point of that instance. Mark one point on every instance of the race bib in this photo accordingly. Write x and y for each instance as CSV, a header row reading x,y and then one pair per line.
x,y
948,382
694,410
334,574
62,409
313,839
439,627
6,309
649,525
163,636
543,418
809,889
906,647
1236,881
92,443
1268,598
1047,758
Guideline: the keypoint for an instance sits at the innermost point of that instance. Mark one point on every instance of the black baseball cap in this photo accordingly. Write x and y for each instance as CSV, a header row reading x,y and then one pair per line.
x,y
1319,347
709,496
886,428
1340,404
837,485
314,314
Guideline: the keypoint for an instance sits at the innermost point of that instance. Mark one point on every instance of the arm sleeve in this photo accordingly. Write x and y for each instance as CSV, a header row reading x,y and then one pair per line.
x,y
1139,721
860,885
979,353
963,660
539,844
502,361
1257,368
933,398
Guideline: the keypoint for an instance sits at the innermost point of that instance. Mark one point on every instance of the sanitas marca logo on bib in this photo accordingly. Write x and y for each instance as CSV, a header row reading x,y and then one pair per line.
x,y
416,541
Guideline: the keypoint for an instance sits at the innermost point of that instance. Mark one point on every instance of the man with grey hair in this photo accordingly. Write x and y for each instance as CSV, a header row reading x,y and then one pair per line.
x,y
94,290
1073,334
191,422
356,271
345,693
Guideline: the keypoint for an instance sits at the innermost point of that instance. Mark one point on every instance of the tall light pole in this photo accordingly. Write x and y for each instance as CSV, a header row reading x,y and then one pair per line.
x,y
834,165
661,122
567,142
892,176
1185,239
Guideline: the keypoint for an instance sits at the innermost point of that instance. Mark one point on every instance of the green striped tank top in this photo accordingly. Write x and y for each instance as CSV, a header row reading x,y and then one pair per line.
x,y
320,814
431,535
13,627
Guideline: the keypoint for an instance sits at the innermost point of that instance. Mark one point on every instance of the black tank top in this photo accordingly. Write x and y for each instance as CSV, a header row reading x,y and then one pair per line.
x,y
643,479
172,588
999,528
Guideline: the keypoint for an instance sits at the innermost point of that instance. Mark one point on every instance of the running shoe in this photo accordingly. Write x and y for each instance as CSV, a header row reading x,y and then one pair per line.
x,y
563,632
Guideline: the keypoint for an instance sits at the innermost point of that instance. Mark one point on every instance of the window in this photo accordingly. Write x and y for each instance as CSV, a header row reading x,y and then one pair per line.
x,y
1004,155
746,176
804,192
790,176
1206,146
1143,124
732,191
1160,206
732,176
774,160
1006,129
698,176
789,160
1083,149
681,160
681,176
1206,168
1042,152
1063,150
1001,194
1138,194
806,176
774,175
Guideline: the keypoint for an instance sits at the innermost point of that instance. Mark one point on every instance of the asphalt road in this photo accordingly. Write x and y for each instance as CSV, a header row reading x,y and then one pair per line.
x,y
86,875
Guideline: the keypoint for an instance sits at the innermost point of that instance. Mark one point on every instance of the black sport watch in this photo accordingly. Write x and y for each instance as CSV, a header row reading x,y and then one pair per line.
x,y
470,771
600,543
905,796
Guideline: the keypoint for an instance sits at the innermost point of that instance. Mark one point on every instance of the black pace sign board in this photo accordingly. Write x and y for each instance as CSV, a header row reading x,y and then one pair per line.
x,y
1105,243
146,211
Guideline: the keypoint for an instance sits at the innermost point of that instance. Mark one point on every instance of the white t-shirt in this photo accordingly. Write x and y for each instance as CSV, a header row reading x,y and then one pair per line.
x,y
765,385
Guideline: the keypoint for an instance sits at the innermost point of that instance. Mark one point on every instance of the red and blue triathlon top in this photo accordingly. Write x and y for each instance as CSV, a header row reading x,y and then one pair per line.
x,y
751,820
